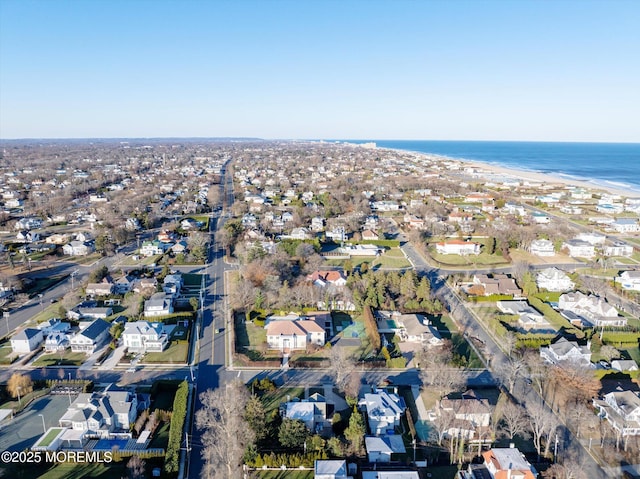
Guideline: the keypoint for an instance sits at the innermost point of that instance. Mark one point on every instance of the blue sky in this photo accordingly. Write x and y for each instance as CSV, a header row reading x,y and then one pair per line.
x,y
449,70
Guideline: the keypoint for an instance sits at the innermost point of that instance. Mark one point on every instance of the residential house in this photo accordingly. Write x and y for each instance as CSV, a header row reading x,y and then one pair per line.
x,y
528,317
77,248
553,279
91,338
287,334
330,469
618,248
158,305
180,247
459,247
579,248
338,234
542,247
622,410
300,233
56,342
626,225
381,448
564,350
596,239
501,284
87,310
540,218
144,336
629,280
124,284
152,248
28,224
172,284
312,412
107,414
328,278
384,411
508,462
26,340
369,235
624,365
472,416
317,224
54,325
57,238
593,309
25,236
145,285
99,289
416,328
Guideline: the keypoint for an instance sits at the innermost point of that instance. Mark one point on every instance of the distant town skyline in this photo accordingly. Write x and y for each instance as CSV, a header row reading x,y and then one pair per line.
x,y
462,70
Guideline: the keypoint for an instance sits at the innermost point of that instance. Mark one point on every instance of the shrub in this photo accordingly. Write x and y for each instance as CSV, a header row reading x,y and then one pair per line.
x,y
172,457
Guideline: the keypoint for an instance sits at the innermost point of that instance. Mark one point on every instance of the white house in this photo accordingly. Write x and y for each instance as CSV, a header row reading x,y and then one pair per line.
x,y
596,239
626,225
91,338
618,248
416,328
325,278
458,247
56,342
99,289
312,412
391,474
629,280
27,340
624,365
384,411
542,247
565,350
472,414
172,284
53,326
622,410
553,279
592,308
330,469
300,234
579,248
144,336
528,317
294,334
380,448
77,248
107,414
158,305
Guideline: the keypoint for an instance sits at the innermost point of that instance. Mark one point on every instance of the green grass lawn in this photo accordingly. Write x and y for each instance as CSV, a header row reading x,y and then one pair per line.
x,y
129,261
40,284
51,435
191,280
392,258
67,471
272,400
177,352
483,259
6,354
89,259
69,358
248,335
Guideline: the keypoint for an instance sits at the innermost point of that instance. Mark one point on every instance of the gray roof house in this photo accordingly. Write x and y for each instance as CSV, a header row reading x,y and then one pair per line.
x,y
565,350
27,340
330,469
91,338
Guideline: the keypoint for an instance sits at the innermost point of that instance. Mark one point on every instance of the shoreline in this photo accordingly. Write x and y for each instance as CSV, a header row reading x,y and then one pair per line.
x,y
486,168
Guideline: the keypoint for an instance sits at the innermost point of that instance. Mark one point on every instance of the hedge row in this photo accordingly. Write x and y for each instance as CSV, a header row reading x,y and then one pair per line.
x,y
178,416
288,460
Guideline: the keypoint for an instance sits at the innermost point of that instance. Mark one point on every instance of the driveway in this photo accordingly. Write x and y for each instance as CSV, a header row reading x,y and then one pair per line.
x,y
25,428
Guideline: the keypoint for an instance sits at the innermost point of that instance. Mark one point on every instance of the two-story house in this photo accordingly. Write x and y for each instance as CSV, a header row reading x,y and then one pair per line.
x,y
564,350
384,411
291,334
553,279
143,337
622,410
91,338
158,305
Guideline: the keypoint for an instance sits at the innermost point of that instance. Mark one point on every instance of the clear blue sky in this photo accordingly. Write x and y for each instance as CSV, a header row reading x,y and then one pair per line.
x,y
486,70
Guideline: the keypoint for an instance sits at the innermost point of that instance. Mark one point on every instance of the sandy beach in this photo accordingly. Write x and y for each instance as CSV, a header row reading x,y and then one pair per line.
x,y
547,179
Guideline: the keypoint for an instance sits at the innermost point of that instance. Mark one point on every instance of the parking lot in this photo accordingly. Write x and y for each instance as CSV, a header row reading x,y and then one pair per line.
x,y
26,427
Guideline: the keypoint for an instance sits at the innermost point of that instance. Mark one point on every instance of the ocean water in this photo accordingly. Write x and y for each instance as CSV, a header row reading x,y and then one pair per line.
x,y
604,164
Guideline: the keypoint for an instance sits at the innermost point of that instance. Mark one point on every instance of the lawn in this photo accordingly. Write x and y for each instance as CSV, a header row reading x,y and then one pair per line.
x,y
248,335
161,437
67,470
177,352
69,358
191,280
6,354
272,400
129,261
393,258
482,259
51,435
40,284
89,259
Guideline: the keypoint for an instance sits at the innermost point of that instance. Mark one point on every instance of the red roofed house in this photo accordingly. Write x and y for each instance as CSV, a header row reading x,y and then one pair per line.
x,y
324,278
457,246
288,334
508,462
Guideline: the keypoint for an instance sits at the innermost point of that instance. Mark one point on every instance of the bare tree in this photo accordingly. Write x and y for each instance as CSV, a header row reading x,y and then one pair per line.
x,y
511,371
136,467
343,365
514,419
225,431
540,420
443,421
